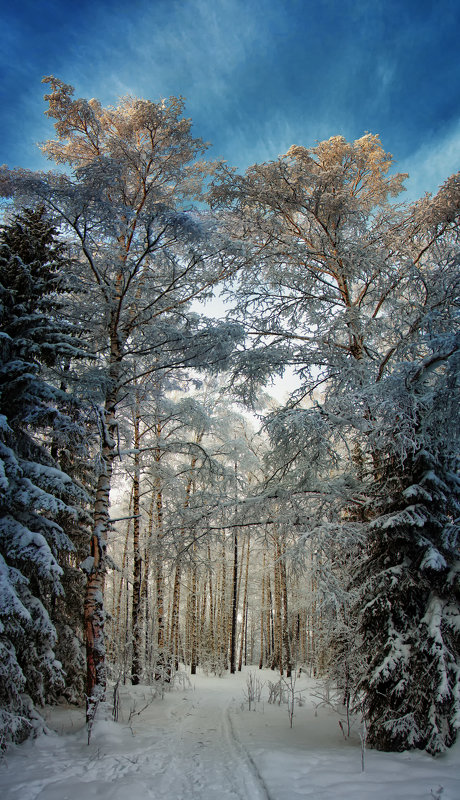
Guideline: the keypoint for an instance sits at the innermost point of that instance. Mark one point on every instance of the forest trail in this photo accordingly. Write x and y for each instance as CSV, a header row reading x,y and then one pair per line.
x,y
205,759
201,742
183,746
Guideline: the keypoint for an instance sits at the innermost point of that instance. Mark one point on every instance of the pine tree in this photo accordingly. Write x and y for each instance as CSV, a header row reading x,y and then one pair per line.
x,y
38,500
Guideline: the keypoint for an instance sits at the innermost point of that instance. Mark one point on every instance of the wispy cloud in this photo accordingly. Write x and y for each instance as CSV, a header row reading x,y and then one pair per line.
x,y
193,45
432,163
257,75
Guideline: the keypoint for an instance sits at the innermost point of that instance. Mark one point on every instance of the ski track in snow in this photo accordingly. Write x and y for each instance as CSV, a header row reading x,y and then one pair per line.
x,y
201,743
191,752
209,759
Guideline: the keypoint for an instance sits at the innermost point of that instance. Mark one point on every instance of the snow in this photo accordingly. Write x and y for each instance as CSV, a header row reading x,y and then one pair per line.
x,y
201,742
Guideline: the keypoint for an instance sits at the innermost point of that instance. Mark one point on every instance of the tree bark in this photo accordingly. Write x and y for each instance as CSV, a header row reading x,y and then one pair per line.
x,y
262,616
94,614
234,603
245,610
136,662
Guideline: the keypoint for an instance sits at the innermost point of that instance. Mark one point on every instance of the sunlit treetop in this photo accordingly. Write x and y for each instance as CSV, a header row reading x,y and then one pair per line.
x,y
357,169
148,143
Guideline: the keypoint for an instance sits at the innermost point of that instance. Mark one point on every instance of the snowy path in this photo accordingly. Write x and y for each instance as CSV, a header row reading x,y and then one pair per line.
x,y
207,760
201,743
181,747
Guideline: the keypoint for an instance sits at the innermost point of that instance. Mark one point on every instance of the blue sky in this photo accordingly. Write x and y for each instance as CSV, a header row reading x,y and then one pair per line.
x,y
257,75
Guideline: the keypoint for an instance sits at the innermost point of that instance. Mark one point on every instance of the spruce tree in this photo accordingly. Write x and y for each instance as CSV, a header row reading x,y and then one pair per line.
x,y
408,608
38,499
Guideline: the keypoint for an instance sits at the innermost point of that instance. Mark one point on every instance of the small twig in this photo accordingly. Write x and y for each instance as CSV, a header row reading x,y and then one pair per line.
x,y
134,713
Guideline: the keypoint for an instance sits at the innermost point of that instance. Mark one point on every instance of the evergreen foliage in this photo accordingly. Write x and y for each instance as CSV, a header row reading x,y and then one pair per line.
x,y
408,580
408,613
38,499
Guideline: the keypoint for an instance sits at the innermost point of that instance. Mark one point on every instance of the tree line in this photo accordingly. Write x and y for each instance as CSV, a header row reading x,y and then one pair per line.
x,y
327,539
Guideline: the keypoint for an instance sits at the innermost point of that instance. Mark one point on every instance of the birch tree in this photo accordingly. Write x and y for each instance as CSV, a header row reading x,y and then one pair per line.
x,y
131,172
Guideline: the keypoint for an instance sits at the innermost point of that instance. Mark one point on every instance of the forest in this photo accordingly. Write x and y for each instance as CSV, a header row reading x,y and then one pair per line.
x,y
161,505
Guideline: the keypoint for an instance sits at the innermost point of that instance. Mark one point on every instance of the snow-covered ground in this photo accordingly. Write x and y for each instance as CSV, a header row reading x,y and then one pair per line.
x,y
201,742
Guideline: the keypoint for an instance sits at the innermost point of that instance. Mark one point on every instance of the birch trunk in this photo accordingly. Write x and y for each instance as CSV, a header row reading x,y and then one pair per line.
x,y
211,606
173,637
118,593
221,616
94,613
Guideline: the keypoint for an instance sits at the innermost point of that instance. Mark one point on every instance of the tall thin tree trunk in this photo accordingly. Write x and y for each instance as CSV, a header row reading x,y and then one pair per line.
x,y
245,609
136,665
173,637
284,593
175,605
211,607
234,603
160,590
193,617
116,615
277,659
94,613
234,608
144,591
221,615
262,616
